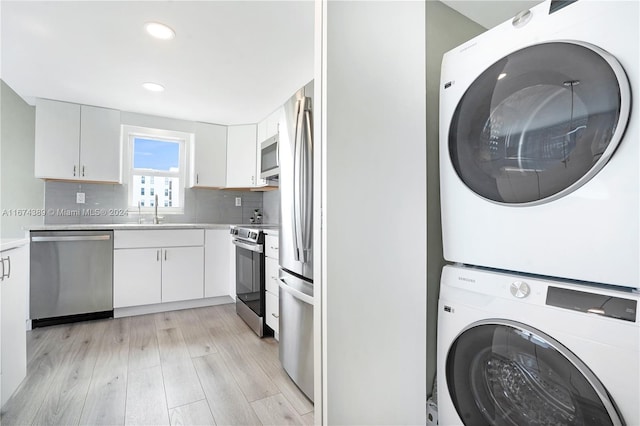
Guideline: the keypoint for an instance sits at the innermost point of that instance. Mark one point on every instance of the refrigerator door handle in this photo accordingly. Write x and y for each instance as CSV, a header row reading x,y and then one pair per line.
x,y
295,293
308,183
297,182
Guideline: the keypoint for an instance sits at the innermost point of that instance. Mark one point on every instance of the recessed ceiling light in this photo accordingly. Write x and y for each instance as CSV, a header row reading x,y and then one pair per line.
x,y
153,87
158,30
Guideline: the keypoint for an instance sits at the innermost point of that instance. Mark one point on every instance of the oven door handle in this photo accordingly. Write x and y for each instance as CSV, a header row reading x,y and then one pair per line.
x,y
258,248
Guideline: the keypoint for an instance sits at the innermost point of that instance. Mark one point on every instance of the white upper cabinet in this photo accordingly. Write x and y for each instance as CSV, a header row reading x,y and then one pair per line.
x,y
77,142
241,156
57,139
99,144
209,156
273,122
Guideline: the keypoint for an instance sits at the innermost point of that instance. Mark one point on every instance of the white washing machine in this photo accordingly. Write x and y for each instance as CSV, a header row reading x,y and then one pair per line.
x,y
514,350
539,145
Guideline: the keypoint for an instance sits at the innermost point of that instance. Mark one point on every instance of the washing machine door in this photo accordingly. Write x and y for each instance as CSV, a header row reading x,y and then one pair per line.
x,y
505,373
540,122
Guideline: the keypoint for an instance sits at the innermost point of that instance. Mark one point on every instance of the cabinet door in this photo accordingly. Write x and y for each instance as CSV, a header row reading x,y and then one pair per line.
x,y
136,277
182,273
100,144
273,122
57,140
271,274
209,156
241,156
14,311
272,309
216,263
261,131
271,246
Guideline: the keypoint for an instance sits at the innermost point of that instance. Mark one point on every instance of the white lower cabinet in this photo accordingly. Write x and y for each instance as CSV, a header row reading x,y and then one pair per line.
x,y
137,276
182,273
217,270
14,286
272,305
145,274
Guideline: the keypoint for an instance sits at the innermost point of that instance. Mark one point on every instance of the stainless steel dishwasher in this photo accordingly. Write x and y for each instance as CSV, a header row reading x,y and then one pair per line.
x,y
71,276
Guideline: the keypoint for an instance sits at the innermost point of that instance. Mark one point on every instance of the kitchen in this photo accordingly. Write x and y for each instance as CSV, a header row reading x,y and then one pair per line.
x,y
374,317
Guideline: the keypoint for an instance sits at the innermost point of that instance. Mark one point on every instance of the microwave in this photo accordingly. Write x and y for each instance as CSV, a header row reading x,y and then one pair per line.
x,y
269,163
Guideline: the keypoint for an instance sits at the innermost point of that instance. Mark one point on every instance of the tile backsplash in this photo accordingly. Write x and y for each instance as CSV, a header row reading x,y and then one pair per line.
x,y
107,203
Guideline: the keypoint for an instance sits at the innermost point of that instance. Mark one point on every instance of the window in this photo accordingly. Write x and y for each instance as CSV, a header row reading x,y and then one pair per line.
x,y
151,154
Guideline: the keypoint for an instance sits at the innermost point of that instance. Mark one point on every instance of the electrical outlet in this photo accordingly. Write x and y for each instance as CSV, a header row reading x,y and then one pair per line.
x,y
79,197
238,201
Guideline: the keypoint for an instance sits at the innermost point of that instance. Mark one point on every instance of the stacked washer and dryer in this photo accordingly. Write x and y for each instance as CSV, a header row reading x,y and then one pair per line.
x,y
540,189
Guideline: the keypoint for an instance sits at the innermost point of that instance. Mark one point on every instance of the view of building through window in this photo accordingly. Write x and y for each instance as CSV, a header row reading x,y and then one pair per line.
x,y
155,171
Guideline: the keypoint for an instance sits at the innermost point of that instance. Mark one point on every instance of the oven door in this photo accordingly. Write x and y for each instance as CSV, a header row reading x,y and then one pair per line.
x,y
250,275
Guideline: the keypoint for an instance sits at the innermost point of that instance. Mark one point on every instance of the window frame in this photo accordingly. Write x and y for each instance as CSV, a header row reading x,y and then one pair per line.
x,y
184,139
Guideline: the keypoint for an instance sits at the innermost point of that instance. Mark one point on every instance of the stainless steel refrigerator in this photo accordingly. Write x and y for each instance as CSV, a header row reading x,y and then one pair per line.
x,y
296,239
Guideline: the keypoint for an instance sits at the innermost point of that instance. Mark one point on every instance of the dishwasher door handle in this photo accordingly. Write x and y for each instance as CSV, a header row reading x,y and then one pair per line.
x,y
71,238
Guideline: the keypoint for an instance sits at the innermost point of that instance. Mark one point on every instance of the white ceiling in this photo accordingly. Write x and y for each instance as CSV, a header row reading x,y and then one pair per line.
x,y
231,62
490,13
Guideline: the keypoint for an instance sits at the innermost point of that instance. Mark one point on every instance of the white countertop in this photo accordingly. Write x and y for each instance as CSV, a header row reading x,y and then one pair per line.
x,y
11,243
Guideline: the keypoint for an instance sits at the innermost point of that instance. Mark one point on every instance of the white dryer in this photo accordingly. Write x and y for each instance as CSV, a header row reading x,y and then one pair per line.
x,y
539,145
514,350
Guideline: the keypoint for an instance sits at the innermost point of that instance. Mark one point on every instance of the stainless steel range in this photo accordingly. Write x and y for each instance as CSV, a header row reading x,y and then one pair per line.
x,y
250,285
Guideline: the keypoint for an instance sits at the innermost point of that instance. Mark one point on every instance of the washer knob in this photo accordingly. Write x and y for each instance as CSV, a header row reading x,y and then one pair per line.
x,y
520,289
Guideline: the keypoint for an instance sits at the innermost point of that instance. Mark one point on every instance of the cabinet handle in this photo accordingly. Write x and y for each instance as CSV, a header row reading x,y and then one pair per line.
x,y
157,255
74,170
2,276
274,315
165,254
9,269
82,171
197,178
273,248
274,278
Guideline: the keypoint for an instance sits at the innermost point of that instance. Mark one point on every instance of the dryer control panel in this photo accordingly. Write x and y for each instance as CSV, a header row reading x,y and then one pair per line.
x,y
593,303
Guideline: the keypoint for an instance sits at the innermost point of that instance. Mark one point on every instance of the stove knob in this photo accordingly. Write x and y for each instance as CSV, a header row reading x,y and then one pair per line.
x,y
520,289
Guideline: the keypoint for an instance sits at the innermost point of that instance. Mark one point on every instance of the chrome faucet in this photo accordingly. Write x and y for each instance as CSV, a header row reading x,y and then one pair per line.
x,y
156,220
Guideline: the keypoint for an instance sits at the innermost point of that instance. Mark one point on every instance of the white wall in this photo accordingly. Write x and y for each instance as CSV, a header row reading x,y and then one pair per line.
x,y
374,212
19,190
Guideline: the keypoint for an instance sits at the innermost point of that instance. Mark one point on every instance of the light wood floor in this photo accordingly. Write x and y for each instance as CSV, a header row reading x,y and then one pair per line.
x,y
193,367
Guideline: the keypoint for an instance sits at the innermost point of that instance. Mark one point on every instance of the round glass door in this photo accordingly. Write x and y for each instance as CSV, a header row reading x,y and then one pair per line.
x,y
506,374
539,123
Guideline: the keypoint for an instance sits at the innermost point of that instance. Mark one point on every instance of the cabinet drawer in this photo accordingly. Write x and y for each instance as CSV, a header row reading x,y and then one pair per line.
x,y
273,311
271,275
271,246
149,238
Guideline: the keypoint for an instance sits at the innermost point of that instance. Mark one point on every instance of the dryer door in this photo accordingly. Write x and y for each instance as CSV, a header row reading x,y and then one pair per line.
x,y
540,122
505,373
